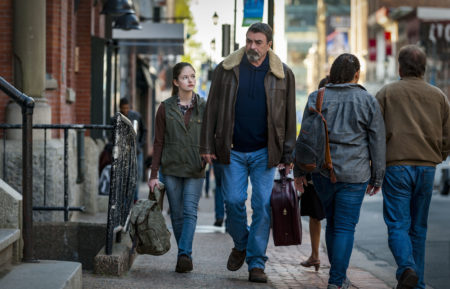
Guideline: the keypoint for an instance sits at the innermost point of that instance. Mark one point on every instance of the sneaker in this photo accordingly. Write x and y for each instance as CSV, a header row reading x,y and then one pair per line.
x,y
236,259
346,283
408,279
257,275
218,222
184,264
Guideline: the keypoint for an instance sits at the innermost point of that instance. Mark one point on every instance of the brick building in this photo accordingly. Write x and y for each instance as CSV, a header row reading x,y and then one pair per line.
x,y
393,24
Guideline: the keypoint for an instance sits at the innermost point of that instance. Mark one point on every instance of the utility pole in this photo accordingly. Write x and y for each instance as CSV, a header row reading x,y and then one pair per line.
x,y
270,17
235,47
322,38
358,33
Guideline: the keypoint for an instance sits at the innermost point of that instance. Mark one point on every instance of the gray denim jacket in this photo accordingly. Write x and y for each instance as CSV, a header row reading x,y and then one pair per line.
x,y
356,132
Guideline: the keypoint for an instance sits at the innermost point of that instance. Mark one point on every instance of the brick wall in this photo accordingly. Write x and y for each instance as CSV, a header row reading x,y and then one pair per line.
x,y
60,57
6,50
83,76
66,29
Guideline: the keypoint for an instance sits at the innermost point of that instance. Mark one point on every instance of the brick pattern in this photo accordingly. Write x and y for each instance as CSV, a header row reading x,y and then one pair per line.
x,y
284,270
6,50
83,76
65,30
60,58
376,4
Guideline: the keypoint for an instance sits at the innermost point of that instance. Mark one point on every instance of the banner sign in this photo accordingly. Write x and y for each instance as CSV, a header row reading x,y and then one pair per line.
x,y
253,12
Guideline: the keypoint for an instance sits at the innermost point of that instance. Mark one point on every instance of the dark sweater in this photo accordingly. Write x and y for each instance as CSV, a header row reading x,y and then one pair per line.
x,y
250,124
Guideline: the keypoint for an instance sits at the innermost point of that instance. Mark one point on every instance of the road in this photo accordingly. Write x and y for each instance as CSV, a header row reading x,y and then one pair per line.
x,y
372,251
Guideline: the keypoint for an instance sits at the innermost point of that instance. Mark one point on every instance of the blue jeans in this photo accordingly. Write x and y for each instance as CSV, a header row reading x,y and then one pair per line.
x,y
254,239
342,203
406,200
183,195
218,195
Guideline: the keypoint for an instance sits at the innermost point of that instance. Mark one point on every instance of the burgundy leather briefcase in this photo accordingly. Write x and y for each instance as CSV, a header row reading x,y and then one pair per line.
x,y
287,227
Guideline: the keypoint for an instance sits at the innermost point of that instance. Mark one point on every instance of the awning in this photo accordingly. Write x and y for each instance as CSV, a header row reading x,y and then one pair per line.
x,y
153,38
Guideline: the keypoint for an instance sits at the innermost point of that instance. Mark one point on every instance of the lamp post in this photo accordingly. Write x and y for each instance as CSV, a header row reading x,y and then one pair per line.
x,y
215,18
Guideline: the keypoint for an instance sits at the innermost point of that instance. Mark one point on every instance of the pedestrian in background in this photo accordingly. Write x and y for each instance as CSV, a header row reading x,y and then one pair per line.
x,y
311,205
141,134
416,116
356,137
177,136
249,127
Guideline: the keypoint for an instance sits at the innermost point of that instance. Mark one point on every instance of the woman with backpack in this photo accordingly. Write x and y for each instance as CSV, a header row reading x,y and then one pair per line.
x,y
356,137
176,150
310,205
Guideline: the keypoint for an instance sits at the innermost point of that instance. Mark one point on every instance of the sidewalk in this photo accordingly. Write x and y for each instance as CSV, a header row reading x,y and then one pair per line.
x,y
210,253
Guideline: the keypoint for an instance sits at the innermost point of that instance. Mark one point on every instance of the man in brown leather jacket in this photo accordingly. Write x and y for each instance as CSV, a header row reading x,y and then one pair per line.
x,y
249,126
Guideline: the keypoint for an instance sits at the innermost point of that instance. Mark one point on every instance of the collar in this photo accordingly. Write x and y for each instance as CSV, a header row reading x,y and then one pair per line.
x,y
275,64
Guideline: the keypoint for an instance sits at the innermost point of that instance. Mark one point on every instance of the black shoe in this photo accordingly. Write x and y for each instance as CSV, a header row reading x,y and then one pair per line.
x,y
236,259
408,279
257,275
184,264
218,222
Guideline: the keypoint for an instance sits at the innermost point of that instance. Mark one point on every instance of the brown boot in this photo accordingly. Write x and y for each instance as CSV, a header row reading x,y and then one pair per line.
x,y
236,259
257,275
408,279
184,264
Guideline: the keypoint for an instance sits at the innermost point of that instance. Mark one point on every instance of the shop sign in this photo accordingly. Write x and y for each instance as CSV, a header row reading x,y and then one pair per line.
x,y
439,31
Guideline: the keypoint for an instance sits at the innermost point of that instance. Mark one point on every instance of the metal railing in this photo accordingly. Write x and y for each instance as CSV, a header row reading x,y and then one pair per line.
x,y
123,179
80,128
27,104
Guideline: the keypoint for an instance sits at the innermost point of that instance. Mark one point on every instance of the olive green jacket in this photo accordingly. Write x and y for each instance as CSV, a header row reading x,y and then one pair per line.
x,y
180,154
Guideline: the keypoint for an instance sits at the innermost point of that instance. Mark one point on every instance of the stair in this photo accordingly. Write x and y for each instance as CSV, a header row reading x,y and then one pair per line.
x,y
43,275
8,239
38,275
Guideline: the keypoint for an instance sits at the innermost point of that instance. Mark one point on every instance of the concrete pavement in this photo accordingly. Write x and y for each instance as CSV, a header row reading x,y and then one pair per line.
x,y
210,253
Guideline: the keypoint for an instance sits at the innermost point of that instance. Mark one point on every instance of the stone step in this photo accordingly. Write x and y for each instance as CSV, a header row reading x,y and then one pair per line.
x,y
7,239
45,274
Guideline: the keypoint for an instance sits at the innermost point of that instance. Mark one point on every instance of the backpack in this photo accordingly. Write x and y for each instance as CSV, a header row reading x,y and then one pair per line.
x,y
312,149
148,229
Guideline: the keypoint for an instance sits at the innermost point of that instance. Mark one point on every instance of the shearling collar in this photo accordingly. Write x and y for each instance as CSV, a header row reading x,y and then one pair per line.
x,y
234,59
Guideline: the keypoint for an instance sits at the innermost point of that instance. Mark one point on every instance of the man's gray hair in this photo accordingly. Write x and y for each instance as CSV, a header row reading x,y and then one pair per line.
x,y
412,61
262,28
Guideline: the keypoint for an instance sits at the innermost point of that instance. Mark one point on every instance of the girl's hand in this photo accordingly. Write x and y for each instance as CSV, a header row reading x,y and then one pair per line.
x,y
152,183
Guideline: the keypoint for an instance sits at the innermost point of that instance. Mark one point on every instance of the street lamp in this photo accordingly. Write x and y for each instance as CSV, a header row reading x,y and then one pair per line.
x,y
116,8
215,18
127,21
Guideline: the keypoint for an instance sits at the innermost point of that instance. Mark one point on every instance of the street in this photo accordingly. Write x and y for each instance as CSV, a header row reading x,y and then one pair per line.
x,y
372,252
210,252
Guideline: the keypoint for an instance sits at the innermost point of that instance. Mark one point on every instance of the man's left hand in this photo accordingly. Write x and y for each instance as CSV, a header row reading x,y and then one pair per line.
x,y
287,167
372,190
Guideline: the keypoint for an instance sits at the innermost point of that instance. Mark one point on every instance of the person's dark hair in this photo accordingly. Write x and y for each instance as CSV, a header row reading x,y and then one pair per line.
x,y
176,70
412,61
262,28
344,68
324,81
123,101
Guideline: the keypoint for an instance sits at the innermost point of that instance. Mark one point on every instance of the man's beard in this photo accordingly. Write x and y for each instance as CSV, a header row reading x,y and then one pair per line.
x,y
253,55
